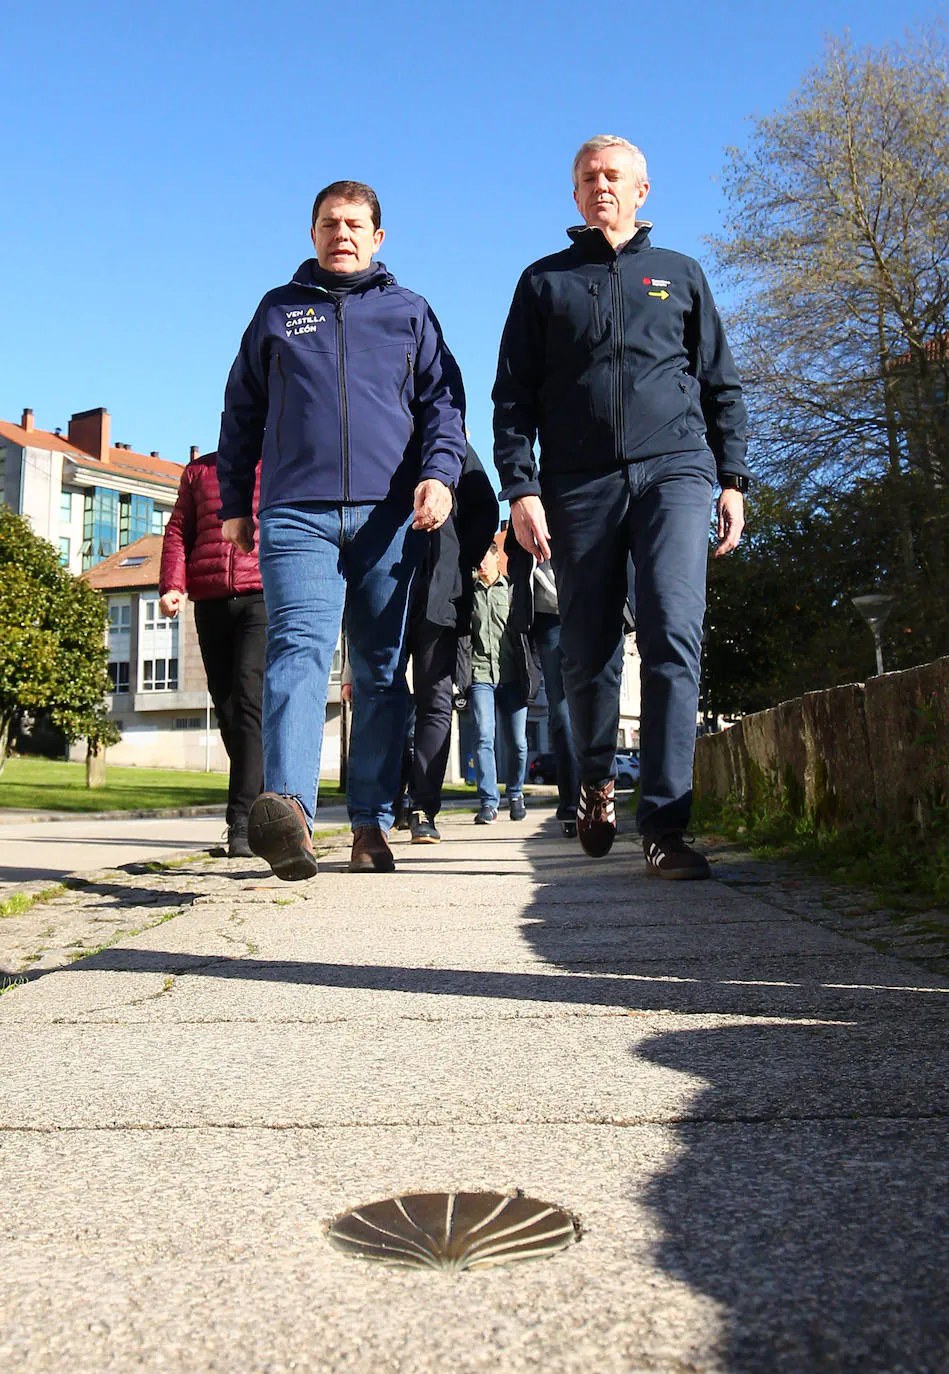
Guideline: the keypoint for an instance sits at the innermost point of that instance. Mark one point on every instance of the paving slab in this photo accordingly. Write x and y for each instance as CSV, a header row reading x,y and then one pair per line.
x,y
746,1110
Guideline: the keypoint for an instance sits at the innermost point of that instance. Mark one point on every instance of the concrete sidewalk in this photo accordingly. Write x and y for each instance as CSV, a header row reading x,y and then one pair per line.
x,y
746,1110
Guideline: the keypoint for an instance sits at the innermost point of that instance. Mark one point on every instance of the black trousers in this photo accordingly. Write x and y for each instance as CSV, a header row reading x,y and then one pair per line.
x,y
232,633
433,649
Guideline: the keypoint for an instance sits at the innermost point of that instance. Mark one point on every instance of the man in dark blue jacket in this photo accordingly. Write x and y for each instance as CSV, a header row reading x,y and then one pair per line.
x,y
614,357
345,391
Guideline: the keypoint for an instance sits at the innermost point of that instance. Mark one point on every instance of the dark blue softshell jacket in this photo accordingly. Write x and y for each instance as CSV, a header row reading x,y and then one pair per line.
x,y
609,358
348,400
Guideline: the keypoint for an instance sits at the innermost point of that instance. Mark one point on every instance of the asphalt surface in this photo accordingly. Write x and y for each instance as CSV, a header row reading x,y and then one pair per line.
x,y
745,1109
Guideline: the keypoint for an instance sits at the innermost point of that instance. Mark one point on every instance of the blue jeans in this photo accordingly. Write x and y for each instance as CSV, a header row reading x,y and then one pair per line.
x,y
658,512
546,634
318,560
504,701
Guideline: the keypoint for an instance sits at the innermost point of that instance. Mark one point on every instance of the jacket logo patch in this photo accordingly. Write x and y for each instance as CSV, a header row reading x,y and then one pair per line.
x,y
661,294
302,322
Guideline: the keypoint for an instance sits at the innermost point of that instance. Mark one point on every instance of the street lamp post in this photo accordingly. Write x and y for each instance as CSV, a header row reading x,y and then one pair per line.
x,y
875,609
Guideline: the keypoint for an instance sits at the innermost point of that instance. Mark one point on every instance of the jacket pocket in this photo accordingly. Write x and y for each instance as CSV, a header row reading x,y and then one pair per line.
x,y
403,401
283,398
595,294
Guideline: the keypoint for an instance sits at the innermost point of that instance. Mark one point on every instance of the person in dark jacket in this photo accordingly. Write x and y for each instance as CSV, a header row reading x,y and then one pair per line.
x,y
614,356
344,386
231,620
440,613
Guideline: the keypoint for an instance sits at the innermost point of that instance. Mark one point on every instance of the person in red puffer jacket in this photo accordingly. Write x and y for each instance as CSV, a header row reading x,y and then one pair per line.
x,y
231,620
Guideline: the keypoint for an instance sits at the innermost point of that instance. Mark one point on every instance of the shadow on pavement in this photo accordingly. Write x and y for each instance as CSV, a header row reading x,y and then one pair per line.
x,y
808,1197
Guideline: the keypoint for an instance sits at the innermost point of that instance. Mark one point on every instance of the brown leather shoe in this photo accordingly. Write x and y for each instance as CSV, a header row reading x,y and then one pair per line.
x,y
277,831
371,852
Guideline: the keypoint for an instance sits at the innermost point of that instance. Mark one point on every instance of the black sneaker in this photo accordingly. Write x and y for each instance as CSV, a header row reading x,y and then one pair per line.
x,y
237,844
403,815
423,829
596,817
668,856
569,829
517,810
486,816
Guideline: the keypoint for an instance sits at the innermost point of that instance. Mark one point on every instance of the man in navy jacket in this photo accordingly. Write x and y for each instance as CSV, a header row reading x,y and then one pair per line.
x,y
345,391
614,357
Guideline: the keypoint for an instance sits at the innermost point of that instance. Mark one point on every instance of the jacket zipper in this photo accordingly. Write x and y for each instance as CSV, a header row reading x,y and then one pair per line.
x,y
283,398
405,382
618,332
595,293
344,411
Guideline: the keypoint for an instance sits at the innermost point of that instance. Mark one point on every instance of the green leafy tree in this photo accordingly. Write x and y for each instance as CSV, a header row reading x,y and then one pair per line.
x,y
52,640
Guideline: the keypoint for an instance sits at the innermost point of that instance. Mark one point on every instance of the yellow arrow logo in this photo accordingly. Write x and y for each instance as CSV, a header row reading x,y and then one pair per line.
x,y
660,295
311,311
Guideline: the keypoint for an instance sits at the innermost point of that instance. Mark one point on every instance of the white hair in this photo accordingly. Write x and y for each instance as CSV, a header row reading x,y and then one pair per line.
x,y
593,145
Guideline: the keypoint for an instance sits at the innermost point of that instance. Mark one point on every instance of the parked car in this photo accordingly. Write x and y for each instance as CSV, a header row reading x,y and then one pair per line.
x,y
627,768
543,769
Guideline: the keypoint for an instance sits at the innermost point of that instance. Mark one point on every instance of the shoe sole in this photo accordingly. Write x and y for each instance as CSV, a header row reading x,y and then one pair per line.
x,y
371,866
426,839
273,833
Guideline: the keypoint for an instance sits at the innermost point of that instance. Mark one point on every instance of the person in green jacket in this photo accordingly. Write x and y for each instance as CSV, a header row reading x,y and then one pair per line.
x,y
497,693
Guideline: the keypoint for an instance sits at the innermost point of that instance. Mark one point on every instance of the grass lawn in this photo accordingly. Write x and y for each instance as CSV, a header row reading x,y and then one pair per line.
x,y
35,784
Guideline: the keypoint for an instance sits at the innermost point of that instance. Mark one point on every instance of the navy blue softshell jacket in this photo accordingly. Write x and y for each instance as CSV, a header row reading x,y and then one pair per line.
x,y
353,399
609,358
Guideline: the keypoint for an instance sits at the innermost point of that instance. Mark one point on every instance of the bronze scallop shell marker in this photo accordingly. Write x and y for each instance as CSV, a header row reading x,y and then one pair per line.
x,y
453,1230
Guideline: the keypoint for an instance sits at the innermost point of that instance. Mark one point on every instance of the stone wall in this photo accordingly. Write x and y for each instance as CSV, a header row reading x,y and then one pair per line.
x,y
866,753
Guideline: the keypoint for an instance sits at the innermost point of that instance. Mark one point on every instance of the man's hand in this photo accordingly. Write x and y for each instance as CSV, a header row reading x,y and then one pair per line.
x,y
530,526
239,531
731,520
171,603
432,504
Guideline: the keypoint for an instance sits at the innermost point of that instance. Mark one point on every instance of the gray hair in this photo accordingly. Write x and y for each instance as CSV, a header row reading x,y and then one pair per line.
x,y
593,145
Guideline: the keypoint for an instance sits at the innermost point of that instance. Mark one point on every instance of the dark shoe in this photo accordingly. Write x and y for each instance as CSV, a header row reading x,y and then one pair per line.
x,y
371,852
668,856
569,829
403,816
423,829
237,846
596,817
517,810
277,831
486,816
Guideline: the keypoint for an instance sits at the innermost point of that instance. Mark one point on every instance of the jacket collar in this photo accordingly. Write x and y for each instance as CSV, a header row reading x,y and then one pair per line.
x,y
594,244
379,276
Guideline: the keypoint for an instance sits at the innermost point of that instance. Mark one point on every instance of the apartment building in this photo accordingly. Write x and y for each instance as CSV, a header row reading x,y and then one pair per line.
x,y
159,694
87,496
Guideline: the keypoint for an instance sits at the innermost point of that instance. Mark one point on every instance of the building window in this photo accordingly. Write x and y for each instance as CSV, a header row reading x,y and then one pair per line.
x,y
135,518
159,648
159,519
119,677
160,675
100,525
64,552
65,507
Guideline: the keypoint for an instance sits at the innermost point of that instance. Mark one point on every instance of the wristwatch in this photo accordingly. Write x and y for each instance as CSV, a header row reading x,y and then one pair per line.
x,y
733,481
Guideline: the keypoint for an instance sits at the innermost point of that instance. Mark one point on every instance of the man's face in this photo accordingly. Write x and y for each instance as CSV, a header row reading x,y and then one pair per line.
x,y
608,194
343,235
489,569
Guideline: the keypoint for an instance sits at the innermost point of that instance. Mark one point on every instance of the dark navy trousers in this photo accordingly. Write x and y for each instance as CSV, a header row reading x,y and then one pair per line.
x,y
657,512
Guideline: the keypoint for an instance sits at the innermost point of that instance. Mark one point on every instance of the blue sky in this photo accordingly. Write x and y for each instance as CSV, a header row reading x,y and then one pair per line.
x,y
158,166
